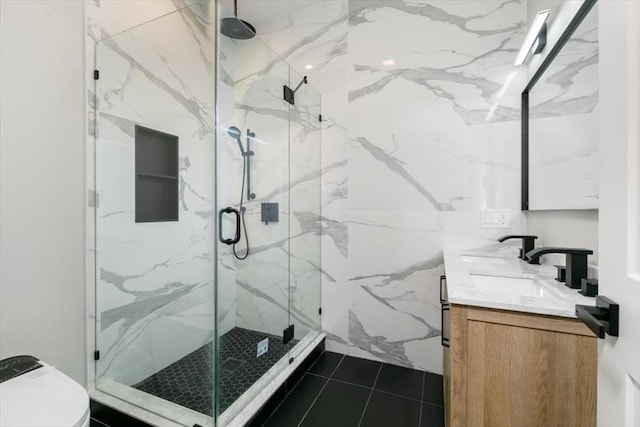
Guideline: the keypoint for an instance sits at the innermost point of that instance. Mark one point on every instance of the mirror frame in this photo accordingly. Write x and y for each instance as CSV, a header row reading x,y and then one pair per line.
x,y
584,10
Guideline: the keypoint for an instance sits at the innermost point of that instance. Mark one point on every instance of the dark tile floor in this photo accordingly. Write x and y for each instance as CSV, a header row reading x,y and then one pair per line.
x,y
346,391
342,391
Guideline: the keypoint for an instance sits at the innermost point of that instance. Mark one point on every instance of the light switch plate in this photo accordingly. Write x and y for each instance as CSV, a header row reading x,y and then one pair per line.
x,y
495,218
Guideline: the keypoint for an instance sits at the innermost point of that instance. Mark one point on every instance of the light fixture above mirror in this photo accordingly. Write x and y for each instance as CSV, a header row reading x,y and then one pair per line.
x,y
536,38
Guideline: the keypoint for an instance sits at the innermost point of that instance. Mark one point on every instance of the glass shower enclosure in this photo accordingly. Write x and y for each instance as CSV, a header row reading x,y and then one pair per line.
x,y
207,231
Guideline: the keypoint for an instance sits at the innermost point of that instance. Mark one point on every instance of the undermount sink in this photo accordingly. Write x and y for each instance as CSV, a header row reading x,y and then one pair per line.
x,y
508,285
483,259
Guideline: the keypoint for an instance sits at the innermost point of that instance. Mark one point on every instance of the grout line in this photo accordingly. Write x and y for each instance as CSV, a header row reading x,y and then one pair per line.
x,y
318,375
371,387
321,390
283,400
421,399
337,366
399,395
347,382
433,404
313,403
370,394
288,393
91,420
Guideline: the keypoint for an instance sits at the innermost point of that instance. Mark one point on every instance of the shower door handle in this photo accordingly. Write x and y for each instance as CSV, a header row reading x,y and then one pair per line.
x,y
236,238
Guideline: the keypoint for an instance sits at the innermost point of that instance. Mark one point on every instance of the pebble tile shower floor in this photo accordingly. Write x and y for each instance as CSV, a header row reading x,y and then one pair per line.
x,y
342,391
188,383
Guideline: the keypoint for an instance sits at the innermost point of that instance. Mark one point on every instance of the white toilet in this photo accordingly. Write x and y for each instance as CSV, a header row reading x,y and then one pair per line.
x,y
35,394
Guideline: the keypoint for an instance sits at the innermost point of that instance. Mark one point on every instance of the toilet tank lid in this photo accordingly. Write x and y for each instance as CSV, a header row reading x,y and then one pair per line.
x,y
43,396
15,366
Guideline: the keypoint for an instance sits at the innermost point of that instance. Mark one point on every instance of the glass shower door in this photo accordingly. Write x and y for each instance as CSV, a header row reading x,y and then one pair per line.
x,y
252,161
305,223
154,171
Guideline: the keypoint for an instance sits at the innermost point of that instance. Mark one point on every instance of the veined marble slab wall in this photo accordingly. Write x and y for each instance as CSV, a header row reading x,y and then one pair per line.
x,y
154,281
421,132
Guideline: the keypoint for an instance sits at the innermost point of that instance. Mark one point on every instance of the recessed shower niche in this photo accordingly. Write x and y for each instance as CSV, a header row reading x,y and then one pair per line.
x,y
156,175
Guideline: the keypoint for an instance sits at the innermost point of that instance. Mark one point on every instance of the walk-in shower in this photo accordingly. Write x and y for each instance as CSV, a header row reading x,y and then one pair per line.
x,y
196,150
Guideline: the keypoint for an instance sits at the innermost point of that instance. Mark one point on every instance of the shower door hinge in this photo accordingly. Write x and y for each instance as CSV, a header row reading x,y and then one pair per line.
x,y
320,311
96,74
96,355
319,117
287,334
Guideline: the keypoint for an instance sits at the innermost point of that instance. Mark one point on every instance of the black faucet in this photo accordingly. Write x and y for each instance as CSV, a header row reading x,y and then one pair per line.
x,y
527,242
576,262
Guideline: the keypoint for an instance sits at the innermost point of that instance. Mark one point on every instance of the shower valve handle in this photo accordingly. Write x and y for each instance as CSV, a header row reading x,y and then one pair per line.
x,y
236,238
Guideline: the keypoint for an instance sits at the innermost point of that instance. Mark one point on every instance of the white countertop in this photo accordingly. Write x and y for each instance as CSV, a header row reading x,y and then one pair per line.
x,y
484,280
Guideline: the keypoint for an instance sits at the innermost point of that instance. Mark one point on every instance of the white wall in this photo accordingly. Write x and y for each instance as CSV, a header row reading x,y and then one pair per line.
x,y
566,228
42,293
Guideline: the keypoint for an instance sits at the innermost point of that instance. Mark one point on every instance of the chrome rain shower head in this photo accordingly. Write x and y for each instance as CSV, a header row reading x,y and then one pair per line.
x,y
235,27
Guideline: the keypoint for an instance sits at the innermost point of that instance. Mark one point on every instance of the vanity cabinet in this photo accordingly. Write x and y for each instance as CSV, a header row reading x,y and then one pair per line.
x,y
507,368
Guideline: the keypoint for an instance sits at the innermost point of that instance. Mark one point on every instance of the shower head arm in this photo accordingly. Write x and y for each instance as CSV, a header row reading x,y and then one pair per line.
x,y
303,81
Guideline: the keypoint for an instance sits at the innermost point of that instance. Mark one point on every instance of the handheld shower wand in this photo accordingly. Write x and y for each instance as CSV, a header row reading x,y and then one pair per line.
x,y
236,134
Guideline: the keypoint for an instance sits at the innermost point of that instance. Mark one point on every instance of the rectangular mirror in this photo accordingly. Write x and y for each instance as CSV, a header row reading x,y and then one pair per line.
x,y
560,122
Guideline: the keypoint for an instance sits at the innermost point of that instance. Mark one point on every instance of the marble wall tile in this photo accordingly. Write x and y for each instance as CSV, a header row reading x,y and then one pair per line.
x,y
422,132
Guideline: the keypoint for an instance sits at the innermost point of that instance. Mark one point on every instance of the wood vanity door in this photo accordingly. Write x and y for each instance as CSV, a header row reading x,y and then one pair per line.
x,y
529,371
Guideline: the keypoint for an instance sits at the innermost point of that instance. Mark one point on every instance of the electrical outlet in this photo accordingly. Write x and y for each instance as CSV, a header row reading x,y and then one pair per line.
x,y
263,347
495,218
